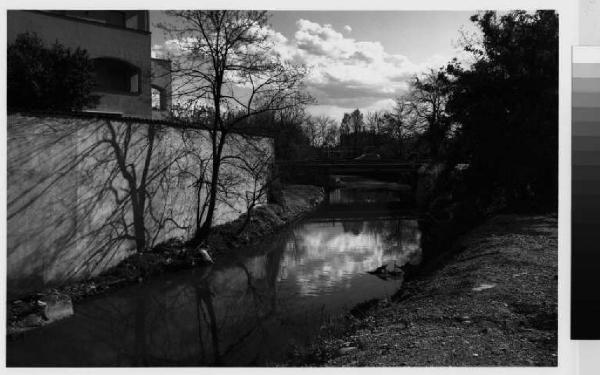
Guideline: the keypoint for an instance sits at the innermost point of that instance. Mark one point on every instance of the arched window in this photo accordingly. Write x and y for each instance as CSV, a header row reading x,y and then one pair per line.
x,y
114,75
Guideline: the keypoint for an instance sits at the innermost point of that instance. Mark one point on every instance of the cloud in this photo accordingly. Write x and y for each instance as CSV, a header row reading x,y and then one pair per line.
x,y
171,47
344,73
347,72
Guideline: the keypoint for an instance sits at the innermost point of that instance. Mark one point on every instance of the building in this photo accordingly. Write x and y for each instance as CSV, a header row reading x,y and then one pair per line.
x,y
160,87
120,46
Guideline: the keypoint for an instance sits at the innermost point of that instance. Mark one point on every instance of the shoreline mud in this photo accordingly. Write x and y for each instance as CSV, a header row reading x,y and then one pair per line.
x,y
492,301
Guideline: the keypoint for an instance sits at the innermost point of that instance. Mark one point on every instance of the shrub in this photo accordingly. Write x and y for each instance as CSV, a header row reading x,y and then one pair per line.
x,y
42,78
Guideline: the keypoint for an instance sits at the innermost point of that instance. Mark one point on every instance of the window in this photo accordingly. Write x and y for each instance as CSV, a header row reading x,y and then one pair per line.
x,y
155,99
115,75
159,100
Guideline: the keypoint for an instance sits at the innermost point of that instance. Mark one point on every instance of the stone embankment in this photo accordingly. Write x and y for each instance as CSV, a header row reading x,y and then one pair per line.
x,y
50,305
491,302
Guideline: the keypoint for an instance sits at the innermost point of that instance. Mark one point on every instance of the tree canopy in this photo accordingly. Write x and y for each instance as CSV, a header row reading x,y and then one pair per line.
x,y
48,78
507,105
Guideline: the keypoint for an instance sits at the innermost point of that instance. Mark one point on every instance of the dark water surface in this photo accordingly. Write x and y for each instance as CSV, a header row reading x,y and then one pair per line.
x,y
245,311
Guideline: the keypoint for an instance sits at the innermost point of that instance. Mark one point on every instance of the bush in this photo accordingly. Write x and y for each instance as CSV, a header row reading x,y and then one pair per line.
x,y
55,78
507,104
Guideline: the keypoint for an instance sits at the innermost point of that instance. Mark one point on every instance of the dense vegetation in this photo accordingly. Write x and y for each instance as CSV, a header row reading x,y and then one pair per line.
x,y
48,78
507,106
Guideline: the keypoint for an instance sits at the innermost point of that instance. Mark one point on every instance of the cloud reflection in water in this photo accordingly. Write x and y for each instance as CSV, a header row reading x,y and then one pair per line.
x,y
320,255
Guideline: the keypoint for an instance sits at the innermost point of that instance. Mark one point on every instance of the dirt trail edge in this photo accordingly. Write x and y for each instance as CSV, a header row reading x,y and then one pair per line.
x,y
492,303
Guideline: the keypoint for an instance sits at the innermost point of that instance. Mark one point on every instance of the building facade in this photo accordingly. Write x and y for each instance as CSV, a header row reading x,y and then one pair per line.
x,y
119,43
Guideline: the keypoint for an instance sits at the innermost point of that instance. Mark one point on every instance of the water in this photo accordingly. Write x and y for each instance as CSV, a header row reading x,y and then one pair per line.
x,y
245,311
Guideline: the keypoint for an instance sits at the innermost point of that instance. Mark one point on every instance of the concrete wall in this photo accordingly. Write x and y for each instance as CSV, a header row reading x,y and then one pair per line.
x,y
69,210
99,40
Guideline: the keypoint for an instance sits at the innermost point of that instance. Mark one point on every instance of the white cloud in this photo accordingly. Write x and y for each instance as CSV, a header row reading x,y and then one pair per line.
x,y
172,47
344,73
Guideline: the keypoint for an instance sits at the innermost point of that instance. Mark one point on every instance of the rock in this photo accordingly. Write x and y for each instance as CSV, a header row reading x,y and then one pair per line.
x,y
464,318
379,270
40,308
483,287
57,306
346,350
398,326
461,167
204,256
32,320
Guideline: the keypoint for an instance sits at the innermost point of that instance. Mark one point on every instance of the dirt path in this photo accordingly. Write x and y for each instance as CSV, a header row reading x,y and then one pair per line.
x,y
493,303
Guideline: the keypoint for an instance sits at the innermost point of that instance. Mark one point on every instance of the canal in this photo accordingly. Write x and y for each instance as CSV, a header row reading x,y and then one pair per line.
x,y
247,311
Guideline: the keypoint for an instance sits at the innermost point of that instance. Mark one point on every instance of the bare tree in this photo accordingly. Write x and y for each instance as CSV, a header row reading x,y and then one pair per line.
x,y
226,65
332,135
398,123
375,121
424,107
318,129
353,122
309,127
326,128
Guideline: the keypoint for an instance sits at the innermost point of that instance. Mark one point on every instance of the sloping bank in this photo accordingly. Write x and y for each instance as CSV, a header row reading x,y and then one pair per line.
x,y
492,302
38,309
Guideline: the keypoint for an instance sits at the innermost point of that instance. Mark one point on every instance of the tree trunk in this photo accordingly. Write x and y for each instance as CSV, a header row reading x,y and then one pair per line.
x,y
139,227
206,226
205,229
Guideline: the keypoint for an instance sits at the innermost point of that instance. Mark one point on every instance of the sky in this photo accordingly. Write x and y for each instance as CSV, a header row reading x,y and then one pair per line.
x,y
359,59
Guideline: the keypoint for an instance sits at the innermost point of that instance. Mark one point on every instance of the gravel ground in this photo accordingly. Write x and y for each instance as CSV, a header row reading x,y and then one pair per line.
x,y
493,302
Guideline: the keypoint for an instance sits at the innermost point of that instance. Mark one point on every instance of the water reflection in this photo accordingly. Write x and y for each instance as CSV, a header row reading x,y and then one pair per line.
x,y
324,255
246,311
355,195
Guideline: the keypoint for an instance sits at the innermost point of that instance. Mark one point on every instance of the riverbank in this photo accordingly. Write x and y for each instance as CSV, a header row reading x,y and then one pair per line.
x,y
493,302
44,307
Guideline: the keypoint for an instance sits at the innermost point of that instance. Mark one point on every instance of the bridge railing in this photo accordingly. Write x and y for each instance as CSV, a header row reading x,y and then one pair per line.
x,y
322,163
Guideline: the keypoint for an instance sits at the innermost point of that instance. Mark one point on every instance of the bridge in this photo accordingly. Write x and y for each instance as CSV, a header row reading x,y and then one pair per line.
x,y
320,171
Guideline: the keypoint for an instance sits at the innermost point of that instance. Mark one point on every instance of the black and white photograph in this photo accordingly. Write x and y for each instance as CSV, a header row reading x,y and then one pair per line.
x,y
282,188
